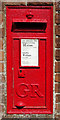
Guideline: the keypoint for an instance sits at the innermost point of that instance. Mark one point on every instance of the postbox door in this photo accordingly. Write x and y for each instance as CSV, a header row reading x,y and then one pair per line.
x,y
29,59
29,74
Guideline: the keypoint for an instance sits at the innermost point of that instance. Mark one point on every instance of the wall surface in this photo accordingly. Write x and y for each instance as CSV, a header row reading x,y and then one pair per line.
x,y
56,59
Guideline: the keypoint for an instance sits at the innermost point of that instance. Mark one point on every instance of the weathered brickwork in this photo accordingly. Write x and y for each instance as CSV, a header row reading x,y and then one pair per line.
x,y
57,18
57,98
57,87
57,6
57,57
2,59
57,77
57,42
2,77
37,3
57,30
57,66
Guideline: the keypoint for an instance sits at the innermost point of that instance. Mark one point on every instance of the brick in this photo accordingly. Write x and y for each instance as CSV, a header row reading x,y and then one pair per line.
x,y
58,108
38,2
0,97
57,117
0,32
1,55
57,29
57,42
57,98
2,78
0,89
0,5
57,6
3,32
3,99
1,18
3,91
21,3
57,54
1,108
15,3
57,18
57,66
57,77
57,87
1,67
1,44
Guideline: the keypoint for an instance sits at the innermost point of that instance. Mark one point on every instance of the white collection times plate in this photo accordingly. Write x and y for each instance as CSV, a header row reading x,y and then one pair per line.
x,y
29,52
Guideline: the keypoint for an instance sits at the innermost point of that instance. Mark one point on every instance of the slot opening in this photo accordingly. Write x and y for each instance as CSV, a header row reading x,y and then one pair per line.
x,y
28,26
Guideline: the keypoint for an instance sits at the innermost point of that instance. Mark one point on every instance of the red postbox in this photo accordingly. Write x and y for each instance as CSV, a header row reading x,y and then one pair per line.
x,y
29,59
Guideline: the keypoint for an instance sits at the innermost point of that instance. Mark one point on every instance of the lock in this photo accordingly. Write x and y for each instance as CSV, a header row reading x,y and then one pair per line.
x,y
21,74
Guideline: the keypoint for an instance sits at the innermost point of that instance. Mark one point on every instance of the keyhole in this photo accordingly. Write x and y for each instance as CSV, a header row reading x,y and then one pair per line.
x,y
20,71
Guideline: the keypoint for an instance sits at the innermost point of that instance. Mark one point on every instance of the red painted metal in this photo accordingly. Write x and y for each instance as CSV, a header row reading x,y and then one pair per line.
x,y
29,88
20,105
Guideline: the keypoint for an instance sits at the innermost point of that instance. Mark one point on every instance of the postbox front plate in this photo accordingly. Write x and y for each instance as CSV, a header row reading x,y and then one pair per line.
x,y
29,60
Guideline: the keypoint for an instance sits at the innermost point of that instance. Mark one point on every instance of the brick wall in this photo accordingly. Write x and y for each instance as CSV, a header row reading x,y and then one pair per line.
x,y
3,59
57,59
2,78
